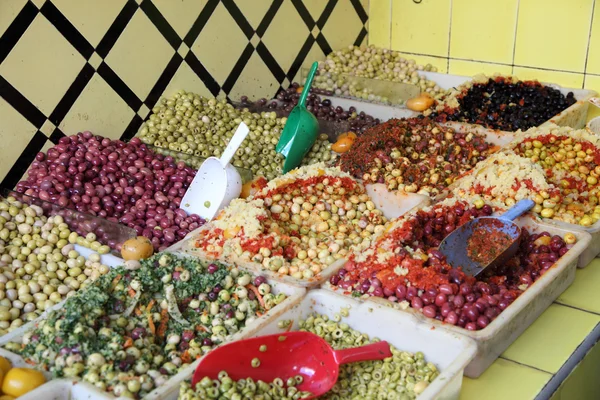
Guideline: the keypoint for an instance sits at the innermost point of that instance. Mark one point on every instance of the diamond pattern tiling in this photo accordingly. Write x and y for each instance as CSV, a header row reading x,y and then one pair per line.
x,y
180,14
185,78
313,55
254,11
10,9
42,65
98,109
140,55
289,21
343,17
254,79
15,135
72,65
315,7
90,19
219,48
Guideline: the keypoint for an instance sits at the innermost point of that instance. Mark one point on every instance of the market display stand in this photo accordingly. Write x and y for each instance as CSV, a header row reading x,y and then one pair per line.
x,y
557,357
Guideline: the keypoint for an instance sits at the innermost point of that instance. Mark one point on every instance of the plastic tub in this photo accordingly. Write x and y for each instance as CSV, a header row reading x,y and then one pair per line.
x,y
393,205
448,351
574,116
516,318
78,221
88,391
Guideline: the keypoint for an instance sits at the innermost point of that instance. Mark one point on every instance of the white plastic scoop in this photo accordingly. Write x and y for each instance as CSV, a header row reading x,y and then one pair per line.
x,y
217,182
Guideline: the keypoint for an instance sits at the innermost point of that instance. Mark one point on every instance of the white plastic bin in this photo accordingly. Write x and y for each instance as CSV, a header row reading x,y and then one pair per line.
x,y
392,204
84,390
517,317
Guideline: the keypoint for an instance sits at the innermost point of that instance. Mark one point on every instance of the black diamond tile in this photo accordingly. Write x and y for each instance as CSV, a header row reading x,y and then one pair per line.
x,y
360,11
200,22
62,24
268,18
325,47
56,135
117,27
238,16
161,23
132,128
163,81
24,161
18,27
304,14
271,63
301,57
326,14
119,86
237,69
76,88
21,104
361,36
196,66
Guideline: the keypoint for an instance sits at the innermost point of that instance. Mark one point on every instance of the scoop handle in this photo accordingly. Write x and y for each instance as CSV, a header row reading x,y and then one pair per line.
x,y
236,141
308,84
518,209
375,351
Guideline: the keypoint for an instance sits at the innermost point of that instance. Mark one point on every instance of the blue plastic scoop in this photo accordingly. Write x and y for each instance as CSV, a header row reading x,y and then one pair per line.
x,y
462,248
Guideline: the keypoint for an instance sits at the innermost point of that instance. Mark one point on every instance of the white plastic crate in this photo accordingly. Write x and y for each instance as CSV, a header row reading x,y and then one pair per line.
x,y
517,317
77,389
392,204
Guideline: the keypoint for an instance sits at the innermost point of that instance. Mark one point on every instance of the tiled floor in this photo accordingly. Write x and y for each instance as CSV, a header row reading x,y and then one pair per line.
x,y
526,367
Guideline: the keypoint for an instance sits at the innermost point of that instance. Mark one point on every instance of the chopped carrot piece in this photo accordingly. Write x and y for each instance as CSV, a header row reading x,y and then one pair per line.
x,y
131,292
185,357
150,305
128,342
164,320
258,295
151,324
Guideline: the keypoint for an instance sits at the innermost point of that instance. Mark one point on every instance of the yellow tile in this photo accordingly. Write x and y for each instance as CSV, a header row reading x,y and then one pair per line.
x,y
505,380
254,11
289,21
255,81
593,62
555,38
92,25
42,65
564,79
592,82
140,55
10,9
342,19
186,79
546,345
180,14
315,7
98,109
380,23
15,134
582,382
471,68
483,30
583,293
439,62
421,28
315,54
218,49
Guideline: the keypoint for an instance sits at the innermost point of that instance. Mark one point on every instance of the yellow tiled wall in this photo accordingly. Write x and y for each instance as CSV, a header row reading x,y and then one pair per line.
x,y
555,41
101,65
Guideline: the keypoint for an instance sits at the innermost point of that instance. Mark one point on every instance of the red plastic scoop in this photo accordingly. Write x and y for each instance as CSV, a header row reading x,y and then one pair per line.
x,y
287,355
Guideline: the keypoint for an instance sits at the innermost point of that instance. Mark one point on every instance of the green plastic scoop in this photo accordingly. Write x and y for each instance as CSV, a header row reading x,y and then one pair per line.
x,y
300,131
